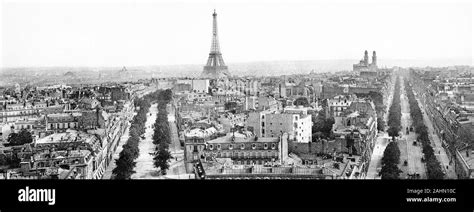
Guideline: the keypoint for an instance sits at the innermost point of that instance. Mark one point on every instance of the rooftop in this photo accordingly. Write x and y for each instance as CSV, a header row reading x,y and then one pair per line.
x,y
469,160
68,136
201,133
242,138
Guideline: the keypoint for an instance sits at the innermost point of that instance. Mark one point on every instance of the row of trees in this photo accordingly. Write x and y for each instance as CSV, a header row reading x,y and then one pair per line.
x,y
126,162
395,112
433,167
161,134
390,160
391,155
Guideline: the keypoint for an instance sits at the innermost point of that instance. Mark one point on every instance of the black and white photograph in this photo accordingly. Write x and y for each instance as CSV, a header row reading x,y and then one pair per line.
x,y
213,100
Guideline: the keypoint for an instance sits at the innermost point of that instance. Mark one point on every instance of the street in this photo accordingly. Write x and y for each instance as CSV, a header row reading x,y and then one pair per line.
x,y
376,160
409,152
112,165
439,151
177,169
144,163
381,142
144,168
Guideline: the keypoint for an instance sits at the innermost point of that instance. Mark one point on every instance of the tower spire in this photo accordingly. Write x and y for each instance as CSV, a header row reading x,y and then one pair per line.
x,y
366,58
215,66
215,39
374,58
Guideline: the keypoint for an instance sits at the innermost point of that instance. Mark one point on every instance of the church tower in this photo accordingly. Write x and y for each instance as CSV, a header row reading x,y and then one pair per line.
x,y
374,59
366,58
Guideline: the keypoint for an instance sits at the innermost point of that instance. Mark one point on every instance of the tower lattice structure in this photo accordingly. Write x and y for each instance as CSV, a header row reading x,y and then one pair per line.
x,y
215,66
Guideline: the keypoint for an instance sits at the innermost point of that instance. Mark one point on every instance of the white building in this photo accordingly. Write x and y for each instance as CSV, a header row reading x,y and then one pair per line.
x,y
294,120
197,85
200,86
339,104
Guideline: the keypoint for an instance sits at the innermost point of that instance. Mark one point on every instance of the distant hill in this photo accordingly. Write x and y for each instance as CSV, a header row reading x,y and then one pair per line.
x,y
69,74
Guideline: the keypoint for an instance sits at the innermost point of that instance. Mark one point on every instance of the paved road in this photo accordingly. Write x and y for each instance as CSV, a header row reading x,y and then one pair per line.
x,y
177,168
436,143
112,165
390,99
376,158
144,163
123,140
414,153
144,167
175,145
380,143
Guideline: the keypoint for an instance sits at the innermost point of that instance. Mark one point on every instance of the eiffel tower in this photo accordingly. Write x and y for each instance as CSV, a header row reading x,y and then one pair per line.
x,y
215,67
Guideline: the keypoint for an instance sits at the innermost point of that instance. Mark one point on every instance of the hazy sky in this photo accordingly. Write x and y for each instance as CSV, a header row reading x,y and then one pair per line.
x,y
116,33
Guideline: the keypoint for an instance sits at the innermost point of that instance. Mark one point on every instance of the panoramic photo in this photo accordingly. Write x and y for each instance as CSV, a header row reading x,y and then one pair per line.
x,y
322,90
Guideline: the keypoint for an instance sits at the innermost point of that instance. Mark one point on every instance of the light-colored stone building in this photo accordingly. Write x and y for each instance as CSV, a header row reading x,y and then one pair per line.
x,y
294,120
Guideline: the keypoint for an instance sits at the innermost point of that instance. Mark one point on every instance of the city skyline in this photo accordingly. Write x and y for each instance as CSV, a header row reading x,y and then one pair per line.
x,y
345,95
107,34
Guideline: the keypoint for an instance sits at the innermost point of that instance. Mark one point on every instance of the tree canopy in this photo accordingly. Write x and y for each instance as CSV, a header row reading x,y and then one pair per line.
x,y
433,167
301,101
126,161
322,125
20,138
162,135
395,112
390,160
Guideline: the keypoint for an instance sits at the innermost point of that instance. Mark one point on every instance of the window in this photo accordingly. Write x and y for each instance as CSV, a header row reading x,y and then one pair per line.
x,y
296,117
242,146
273,146
231,146
211,147
254,146
265,146
218,146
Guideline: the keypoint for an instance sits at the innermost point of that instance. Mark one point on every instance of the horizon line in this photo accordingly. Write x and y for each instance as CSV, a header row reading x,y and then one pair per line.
x,y
229,63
